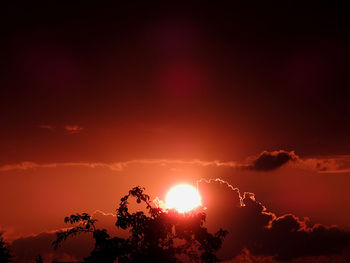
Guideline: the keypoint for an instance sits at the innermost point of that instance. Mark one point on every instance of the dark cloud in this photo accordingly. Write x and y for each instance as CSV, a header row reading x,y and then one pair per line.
x,y
268,161
247,257
251,226
26,249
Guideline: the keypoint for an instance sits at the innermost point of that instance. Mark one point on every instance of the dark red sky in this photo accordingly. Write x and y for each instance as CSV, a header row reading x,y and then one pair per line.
x,y
183,81
82,83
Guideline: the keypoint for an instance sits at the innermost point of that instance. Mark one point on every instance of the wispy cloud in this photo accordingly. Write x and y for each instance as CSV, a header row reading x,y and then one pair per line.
x,y
114,166
45,127
73,128
273,159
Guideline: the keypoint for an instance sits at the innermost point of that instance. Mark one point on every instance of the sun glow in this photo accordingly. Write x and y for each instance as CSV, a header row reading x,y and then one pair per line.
x,y
183,198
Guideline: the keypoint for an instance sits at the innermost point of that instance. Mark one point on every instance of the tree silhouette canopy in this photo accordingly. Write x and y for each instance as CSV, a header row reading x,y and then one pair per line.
x,y
5,255
156,235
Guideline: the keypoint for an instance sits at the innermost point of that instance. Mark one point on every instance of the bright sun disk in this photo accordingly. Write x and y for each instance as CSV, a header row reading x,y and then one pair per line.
x,y
183,198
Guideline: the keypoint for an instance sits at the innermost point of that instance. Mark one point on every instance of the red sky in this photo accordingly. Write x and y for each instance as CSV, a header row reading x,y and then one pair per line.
x,y
96,100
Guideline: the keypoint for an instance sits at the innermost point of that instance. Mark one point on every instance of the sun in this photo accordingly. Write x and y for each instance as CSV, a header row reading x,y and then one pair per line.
x,y
183,198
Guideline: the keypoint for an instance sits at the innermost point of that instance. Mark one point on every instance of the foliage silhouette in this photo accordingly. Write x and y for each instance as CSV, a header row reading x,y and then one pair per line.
x,y
155,236
39,259
5,255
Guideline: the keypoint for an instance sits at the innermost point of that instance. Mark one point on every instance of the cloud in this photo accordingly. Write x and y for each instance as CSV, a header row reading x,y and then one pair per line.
x,y
246,257
266,161
46,127
73,128
68,128
269,161
255,233
115,166
26,249
252,226
335,164
25,166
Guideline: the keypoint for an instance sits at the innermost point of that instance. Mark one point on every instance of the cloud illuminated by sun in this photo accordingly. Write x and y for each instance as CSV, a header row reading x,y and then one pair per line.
x,y
183,198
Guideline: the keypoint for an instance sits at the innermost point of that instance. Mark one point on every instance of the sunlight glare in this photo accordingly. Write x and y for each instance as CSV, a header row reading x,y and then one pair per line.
x,y
183,198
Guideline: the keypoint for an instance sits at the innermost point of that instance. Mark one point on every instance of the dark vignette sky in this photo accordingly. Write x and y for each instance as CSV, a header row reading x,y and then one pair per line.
x,y
157,80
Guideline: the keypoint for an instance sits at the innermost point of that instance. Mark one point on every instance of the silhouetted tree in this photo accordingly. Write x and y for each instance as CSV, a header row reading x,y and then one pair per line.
x,y
5,255
155,236
39,259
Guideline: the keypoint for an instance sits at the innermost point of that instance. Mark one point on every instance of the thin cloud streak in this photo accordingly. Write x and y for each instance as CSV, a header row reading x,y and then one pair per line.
x,y
116,166
341,171
45,127
338,164
73,128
